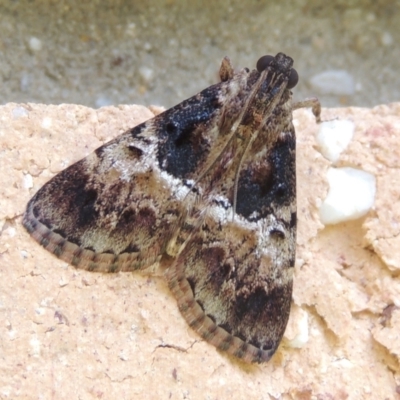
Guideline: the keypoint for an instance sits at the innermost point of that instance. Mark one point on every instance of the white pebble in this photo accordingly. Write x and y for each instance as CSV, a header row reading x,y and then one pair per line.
x,y
9,232
19,112
47,122
35,346
24,253
337,82
27,181
35,44
351,195
302,337
146,73
333,137
123,356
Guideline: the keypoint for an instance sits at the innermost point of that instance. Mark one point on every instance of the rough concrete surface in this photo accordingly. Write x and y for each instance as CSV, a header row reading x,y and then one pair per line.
x,y
67,333
107,52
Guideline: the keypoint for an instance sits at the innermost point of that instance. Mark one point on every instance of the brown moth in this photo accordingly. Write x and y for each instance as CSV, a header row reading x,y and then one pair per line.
x,y
208,190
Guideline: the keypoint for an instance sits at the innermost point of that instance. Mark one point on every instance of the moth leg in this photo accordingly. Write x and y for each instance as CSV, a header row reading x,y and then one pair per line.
x,y
226,70
313,103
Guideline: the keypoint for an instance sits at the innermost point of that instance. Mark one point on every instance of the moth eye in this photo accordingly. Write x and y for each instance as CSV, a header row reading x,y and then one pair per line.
x,y
263,62
293,79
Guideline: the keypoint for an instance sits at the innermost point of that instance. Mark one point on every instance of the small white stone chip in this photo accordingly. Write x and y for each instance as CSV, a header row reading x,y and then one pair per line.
x,y
35,44
351,195
47,123
333,137
18,112
27,181
303,335
146,74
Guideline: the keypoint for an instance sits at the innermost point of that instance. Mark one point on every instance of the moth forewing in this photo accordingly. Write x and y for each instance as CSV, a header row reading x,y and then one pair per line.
x,y
208,189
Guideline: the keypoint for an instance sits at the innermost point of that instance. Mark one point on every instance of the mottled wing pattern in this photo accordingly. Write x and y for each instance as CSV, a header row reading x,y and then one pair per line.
x,y
208,189
117,209
233,278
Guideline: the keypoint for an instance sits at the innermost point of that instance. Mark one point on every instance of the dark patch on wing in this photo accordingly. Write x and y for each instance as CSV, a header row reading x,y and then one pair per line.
x,y
277,233
69,196
200,303
131,219
192,284
212,318
183,132
261,316
84,202
225,204
127,220
218,270
132,151
228,328
147,218
135,151
251,305
132,248
60,232
137,130
268,185
108,251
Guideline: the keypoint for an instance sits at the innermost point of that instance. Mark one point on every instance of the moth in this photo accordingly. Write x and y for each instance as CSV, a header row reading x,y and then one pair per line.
x,y
207,189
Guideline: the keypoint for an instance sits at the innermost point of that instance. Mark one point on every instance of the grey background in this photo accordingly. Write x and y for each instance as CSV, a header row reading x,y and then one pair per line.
x,y
98,53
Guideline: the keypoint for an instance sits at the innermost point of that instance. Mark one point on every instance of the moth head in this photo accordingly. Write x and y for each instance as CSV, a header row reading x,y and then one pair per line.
x,y
265,61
